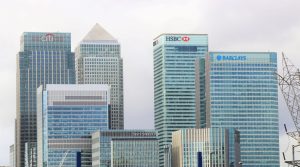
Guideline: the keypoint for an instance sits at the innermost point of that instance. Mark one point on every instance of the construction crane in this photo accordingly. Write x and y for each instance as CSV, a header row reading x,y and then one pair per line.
x,y
289,83
64,158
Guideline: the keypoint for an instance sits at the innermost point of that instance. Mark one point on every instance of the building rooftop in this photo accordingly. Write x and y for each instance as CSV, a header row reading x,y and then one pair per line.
x,y
98,33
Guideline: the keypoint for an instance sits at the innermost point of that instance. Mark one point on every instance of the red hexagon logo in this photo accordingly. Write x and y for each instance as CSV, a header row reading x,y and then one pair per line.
x,y
185,38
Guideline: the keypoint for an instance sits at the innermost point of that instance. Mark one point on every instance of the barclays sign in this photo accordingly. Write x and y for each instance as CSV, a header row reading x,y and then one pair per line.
x,y
231,58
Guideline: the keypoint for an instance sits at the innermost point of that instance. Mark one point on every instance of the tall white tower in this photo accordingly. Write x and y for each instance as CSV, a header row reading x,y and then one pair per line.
x,y
98,61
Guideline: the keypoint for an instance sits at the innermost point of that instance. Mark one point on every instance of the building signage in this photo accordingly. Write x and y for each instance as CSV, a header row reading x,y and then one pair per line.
x,y
178,38
143,134
231,58
155,42
185,38
49,37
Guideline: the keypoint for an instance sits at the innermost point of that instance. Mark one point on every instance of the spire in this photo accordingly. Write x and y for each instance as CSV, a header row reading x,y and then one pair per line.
x,y
98,33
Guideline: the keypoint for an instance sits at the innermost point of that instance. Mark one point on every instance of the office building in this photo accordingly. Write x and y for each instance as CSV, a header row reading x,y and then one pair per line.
x,y
241,92
67,116
125,148
98,61
12,156
207,147
174,83
44,58
30,154
167,155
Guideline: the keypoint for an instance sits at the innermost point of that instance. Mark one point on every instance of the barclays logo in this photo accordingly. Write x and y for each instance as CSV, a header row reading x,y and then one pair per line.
x,y
219,57
231,58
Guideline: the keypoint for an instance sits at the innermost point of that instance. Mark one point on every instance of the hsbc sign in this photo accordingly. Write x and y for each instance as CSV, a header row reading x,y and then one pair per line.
x,y
185,38
178,38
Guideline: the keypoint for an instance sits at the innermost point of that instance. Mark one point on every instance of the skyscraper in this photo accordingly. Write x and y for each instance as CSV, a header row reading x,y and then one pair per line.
x,y
44,58
241,92
174,83
67,115
98,61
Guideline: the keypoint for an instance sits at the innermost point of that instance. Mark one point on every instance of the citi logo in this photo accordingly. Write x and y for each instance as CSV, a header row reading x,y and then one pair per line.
x,y
47,38
185,38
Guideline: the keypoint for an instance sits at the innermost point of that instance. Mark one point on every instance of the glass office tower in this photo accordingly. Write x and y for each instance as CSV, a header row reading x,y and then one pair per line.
x,y
174,83
67,116
207,147
44,58
98,61
241,92
125,148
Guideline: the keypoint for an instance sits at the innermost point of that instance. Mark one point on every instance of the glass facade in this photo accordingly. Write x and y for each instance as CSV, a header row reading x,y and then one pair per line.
x,y
241,92
30,155
98,61
207,147
44,58
174,83
126,148
67,115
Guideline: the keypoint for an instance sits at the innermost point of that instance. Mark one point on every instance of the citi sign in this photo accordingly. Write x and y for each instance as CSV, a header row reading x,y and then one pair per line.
x,y
51,38
178,38
47,38
231,58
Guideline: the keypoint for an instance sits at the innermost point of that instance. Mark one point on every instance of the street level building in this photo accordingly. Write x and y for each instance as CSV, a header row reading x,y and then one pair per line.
x,y
44,58
67,116
174,83
125,148
241,92
207,147
12,156
30,155
98,61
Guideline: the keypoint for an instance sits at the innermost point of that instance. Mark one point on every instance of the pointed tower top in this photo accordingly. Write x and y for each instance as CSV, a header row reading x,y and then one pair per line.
x,y
98,33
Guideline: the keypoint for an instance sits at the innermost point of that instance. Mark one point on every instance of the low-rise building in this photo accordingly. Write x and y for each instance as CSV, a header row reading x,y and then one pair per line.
x,y
125,148
207,147
30,154
67,116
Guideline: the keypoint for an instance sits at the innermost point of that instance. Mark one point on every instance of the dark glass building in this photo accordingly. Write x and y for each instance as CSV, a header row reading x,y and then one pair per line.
x,y
44,58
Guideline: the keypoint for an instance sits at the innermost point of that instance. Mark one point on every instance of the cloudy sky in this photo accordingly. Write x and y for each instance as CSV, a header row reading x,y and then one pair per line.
x,y
232,25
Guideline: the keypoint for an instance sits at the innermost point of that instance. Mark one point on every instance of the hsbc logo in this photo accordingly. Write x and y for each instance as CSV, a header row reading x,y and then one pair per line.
x,y
185,38
178,38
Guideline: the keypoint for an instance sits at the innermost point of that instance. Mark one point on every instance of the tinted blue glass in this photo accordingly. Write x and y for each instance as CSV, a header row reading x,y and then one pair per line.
x,y
243,95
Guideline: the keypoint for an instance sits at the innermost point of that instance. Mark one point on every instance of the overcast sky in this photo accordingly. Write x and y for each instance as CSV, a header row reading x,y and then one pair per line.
x,y
232,25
